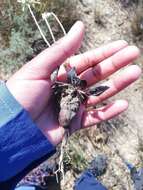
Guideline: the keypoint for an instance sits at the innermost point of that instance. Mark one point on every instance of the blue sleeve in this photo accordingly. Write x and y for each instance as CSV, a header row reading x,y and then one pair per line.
x,y
22,144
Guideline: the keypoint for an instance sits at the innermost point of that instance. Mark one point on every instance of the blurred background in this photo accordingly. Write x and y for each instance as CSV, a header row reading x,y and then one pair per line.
x,y
120,139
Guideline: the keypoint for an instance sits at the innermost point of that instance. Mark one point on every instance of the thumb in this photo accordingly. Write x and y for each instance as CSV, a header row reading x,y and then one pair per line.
x,y
47,61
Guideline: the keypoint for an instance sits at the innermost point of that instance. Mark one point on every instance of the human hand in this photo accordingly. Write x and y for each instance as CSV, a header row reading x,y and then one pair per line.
x,y
31,85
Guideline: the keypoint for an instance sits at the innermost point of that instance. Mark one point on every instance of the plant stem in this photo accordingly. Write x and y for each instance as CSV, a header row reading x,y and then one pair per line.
x,y
40,30
44,16
61,26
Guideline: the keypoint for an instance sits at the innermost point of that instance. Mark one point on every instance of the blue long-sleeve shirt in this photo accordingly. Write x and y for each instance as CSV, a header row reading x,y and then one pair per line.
x,y
22,144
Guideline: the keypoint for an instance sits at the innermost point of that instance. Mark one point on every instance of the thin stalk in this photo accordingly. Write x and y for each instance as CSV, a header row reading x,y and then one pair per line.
x,y
44,16
60,24
40,30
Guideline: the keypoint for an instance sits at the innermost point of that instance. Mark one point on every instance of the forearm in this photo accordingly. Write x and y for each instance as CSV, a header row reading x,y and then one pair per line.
x,y
22,144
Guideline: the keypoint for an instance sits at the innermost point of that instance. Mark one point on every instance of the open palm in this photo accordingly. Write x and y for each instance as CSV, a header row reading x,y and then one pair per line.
x,y
31,85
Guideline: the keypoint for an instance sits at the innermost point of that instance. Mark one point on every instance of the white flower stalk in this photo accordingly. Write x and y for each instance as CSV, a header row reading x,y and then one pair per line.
x,y
27,3
58,21
44,16
39,28
64,32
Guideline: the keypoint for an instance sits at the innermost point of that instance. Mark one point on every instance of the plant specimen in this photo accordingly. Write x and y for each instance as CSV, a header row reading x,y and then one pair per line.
x,y
68,96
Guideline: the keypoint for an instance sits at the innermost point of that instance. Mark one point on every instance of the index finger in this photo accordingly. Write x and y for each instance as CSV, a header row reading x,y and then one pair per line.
x,y
91,58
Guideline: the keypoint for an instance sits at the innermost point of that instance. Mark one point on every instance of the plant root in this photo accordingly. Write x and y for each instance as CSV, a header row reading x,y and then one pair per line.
x,y
63,150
